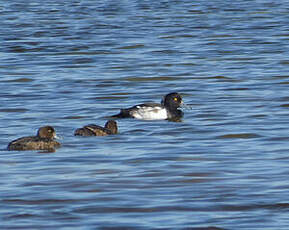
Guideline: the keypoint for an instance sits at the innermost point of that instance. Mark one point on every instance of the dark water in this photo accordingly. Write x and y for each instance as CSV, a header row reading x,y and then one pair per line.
x,y
70,63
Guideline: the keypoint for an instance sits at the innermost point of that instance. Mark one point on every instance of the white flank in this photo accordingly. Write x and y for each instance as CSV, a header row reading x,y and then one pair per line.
x,y
150,113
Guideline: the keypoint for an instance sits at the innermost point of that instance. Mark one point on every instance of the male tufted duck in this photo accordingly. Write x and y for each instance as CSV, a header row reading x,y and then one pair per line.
x,y
168,109
45,140
96,130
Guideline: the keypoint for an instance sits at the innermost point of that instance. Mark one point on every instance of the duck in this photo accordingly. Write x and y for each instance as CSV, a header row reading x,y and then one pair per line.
x,y
109,128
44,140
166,110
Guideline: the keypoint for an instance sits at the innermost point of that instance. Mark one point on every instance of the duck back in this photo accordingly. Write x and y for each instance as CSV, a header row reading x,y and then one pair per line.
x,y
33,143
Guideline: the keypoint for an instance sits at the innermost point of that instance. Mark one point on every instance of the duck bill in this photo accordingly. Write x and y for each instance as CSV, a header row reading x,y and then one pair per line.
x,y
185,106
57,137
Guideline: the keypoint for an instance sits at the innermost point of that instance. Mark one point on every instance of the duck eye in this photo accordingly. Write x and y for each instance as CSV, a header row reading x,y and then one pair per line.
x,y
175,99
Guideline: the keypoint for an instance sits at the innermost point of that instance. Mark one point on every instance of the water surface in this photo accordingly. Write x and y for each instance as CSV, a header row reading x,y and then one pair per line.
x,y
71,63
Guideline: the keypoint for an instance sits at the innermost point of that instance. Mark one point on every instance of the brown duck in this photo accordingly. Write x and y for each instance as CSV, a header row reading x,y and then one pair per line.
x,y
96,130
45,140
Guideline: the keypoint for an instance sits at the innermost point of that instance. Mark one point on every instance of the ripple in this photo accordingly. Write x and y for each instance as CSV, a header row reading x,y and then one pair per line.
x,y
74,117
148,79
38,201
284,105
23,79
239,136
19,110
136,46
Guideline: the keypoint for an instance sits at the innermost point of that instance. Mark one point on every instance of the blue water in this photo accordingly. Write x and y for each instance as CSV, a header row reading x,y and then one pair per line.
x,y
71,63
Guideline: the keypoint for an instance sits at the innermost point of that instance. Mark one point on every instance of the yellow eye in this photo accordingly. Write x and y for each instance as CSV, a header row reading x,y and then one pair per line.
x,y
175,99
